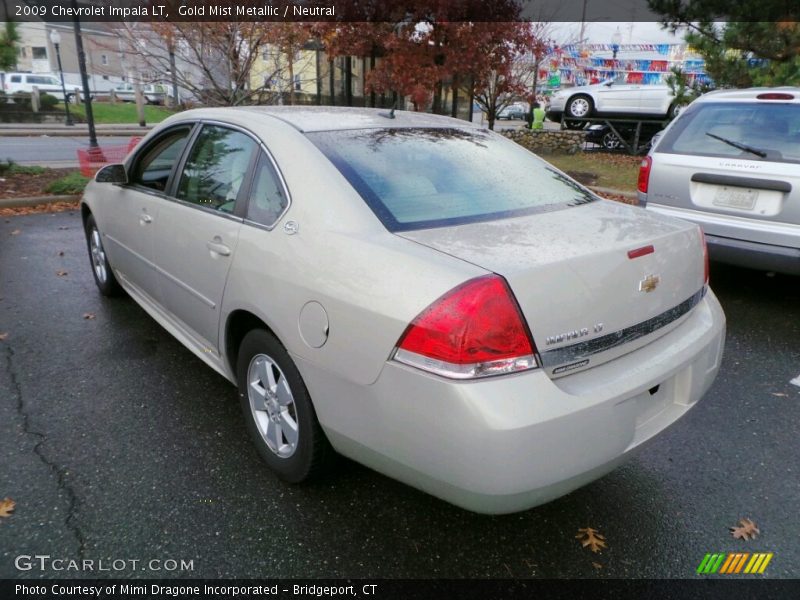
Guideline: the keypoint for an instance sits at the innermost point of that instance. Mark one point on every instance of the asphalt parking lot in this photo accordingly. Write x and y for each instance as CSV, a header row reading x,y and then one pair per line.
x,y
117,443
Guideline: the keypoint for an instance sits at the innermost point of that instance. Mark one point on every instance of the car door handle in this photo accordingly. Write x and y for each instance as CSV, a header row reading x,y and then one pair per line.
x,y
145,219
218,247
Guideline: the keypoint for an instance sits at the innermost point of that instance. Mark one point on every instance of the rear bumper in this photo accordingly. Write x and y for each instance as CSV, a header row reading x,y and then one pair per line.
x,y
509,443
728,243
753,255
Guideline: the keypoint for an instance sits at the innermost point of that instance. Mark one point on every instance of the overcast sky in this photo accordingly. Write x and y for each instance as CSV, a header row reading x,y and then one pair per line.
x,y
640,32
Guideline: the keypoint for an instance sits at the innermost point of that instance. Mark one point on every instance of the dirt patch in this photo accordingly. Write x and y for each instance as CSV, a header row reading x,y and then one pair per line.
x,y
583,177
39,208
27,185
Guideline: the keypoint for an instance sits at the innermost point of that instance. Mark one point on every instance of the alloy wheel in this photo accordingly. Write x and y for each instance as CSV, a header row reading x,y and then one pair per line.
x,y
272,406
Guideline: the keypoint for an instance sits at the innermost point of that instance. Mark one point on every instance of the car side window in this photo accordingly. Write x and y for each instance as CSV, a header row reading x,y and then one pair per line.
x,y
267,197
152,169
16,79
216,168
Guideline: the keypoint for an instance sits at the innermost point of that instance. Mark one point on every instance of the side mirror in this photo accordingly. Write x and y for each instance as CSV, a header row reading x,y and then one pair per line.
x,y
112,174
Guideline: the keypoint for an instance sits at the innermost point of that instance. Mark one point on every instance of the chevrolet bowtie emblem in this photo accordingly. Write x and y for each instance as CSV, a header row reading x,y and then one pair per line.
x,y
649,283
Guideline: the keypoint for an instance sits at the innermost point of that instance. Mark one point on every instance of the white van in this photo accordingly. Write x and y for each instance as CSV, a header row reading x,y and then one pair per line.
x,y
25,82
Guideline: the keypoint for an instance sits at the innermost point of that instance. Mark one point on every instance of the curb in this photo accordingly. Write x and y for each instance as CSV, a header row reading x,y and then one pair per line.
x,y
36,200
72,133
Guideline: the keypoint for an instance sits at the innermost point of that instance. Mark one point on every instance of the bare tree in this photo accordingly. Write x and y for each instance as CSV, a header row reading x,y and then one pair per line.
x,y
213,61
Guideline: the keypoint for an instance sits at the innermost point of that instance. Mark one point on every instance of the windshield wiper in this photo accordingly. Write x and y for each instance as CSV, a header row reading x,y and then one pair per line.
x,y
739,145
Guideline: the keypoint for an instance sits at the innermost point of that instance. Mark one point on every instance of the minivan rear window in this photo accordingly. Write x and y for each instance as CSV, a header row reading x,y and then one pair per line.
x,y
769,130
418,178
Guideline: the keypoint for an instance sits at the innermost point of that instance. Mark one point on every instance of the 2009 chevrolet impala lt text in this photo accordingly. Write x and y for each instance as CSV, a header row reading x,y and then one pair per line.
x,y
413,292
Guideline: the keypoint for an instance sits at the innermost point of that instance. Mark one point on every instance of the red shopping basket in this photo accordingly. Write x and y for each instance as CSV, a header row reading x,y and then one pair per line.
x,y
92,160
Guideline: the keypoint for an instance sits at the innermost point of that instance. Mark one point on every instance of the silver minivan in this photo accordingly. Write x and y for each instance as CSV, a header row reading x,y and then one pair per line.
x,y
731,163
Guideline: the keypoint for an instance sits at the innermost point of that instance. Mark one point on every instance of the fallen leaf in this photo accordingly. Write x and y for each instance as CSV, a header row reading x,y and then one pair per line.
x,y
16,232
590,537
61,273
3,336
747,530
7,507
597,566
88,316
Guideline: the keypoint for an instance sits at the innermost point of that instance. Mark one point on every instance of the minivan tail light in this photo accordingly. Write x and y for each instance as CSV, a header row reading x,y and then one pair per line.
x,y
474,330
644,174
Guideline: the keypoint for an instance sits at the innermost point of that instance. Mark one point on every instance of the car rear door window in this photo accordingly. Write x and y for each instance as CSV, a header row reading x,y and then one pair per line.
x,y
216,168
268,199
154,165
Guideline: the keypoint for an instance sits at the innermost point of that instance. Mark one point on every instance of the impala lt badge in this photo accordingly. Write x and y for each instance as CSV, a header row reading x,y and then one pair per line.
x,y
649,283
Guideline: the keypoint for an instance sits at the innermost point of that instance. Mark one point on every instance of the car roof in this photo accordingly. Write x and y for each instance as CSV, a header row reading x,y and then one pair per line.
x,y
333,118
750,94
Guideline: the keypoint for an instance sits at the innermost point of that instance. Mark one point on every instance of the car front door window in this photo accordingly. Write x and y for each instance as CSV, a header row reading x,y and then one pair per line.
x,y
154,167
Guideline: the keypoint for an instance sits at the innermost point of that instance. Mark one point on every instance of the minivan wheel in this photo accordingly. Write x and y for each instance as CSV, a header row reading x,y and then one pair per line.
x,y
101,269
278,411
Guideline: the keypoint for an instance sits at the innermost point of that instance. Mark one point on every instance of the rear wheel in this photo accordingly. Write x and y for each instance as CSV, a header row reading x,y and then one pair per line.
x,y
674,110
611,141
101,269
278,411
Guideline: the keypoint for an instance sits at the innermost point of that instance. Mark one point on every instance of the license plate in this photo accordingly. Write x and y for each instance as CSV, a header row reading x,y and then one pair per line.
x,y
736,197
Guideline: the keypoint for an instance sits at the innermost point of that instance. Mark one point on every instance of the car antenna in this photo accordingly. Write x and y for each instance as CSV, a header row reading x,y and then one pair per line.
x,y
390,114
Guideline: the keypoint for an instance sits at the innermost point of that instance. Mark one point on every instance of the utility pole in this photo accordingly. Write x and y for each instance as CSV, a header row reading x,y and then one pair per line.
x,y
175,98
87,96
583,22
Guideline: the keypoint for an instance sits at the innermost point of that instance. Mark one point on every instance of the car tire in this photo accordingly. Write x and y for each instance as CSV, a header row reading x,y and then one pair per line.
x,y
674,110
575,124
579,107
610,141
278,410
101,268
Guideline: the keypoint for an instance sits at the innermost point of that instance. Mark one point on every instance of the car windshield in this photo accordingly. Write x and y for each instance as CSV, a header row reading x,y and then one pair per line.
x,y
751,130
427,177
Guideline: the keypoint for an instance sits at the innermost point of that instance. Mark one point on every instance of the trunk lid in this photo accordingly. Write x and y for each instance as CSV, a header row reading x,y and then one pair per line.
x,y
585,300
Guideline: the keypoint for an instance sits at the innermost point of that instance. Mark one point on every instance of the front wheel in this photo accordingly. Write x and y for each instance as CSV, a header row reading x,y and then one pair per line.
x,y
579,107
101,269
278,410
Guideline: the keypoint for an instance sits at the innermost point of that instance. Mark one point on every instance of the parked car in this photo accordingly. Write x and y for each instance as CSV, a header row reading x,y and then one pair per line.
x,y
153,93
414,292
613,98
14,83
731,164
602,134
512,111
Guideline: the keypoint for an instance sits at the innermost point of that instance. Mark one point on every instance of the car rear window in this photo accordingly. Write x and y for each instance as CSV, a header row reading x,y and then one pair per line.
x,y
427,177
766,127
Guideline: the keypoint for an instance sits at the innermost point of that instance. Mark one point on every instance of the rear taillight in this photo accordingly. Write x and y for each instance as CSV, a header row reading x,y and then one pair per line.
x,y
474,330
644,174
706,270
